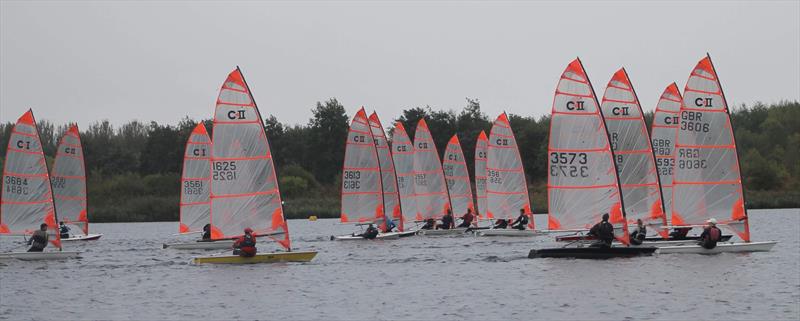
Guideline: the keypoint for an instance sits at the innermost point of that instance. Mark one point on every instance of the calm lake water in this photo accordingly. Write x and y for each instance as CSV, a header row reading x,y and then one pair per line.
x,y
126,275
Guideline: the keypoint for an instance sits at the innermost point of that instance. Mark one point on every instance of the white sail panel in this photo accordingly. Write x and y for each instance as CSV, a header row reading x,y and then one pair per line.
x,y
244,186
582,179
456,175
664,132
195,178
506,185
481,148
707,182
27,198
362,194
403,157
391,196
429,184
630,142
69,181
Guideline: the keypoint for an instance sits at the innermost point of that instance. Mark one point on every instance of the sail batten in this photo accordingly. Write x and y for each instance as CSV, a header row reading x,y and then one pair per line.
x,y
582,177
27,196
244,186
456,175
706,178
430,187
630,142
362,191
195,206
506,184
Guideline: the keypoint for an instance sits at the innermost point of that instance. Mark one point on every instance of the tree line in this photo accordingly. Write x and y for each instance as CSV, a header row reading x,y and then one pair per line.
x,y
134,169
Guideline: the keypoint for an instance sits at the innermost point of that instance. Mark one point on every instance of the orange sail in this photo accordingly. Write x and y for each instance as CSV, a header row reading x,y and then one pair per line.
x,y
456,175
195,178
391,196
69,180
664,132
362,193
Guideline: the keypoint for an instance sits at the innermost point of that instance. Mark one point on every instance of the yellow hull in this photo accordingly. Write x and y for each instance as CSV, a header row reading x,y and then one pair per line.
x,y
259,258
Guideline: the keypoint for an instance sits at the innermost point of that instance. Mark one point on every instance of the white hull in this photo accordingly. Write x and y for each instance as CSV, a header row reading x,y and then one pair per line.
x,y
381,236
216,245
727,247
454,231
87,237
656,244
56,255
507,232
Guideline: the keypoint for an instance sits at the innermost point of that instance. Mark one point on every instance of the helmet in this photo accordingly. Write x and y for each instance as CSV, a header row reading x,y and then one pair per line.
x,y
712,221
248,230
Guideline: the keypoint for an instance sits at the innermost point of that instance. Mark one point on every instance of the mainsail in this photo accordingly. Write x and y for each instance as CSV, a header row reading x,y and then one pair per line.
x,y
391,198
457,177
481,148
665,129
582,177
403,157
27,200
506,186
195,203
429,185
244,186
362,194
707,182
69,180
634,156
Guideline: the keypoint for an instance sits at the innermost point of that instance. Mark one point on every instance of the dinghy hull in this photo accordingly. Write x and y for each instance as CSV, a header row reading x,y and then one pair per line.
x,y
216,245
591,252
721,248
381,236
27,256
258,258
455,231
88,237
507,232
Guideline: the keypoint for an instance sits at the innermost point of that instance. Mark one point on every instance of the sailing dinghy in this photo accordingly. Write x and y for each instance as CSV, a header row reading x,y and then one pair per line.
x,y
27,197
403,158
582,177
481,149
69,185
244,187
430,187
362,187
506,185
195,202
707,182
459,187
391,197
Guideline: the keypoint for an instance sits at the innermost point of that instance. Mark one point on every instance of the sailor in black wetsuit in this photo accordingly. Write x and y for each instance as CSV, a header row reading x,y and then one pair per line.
x,y
711,234
63,230
521,221
604,232
38,240
501,224
371,233
679,233
429,224
638,235
206,233
447,221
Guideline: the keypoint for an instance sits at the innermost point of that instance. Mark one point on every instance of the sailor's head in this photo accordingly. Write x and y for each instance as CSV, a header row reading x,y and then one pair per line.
x,y
605,217
449,211
639,222
370,225
43,227
712,221
248,231
522,211
469,210
61,223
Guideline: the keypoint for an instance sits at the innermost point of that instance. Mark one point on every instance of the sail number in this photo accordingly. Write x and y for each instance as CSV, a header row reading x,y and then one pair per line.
x,y
421,180
568,164
16,185
493,176
351,180
58,182
224,171
690,159
664,166
693,121
448,170
193,187
662,147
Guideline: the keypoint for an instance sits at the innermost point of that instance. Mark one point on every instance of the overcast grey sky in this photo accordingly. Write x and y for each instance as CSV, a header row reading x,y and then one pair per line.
x,y
159,60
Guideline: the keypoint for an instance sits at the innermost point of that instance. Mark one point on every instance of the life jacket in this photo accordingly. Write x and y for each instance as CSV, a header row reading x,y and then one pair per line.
x,y
523,220
247,241
714,234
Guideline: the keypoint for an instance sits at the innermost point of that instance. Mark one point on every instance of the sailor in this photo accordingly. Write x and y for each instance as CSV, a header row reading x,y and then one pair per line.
x,y
467,219
679,233
63,230
638,235
501,223
389,225
447,221
206,232
604,232
429,224
245,245
371,233
38,240
521,221
711,234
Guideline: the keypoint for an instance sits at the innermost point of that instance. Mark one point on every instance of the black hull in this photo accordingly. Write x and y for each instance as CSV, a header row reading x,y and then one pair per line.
x,y
591,252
